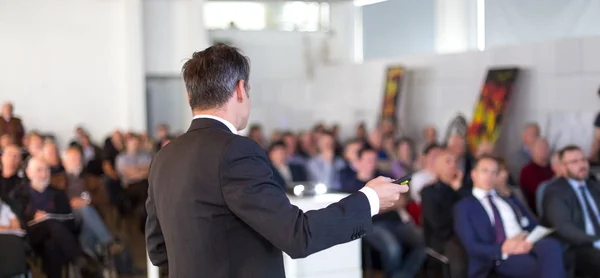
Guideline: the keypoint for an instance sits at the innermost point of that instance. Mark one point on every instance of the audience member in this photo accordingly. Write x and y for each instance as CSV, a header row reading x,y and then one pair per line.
x,y
405,158
12,188
437,201
399,241
255,133
8,220
457,145
306,145
93,229
504,187
484,148
35,145
429,136
361,132
92,155
162,135
326,166
426,176
52,239
530,134
502,246
366,169
571,207
11,125
113,145
536,171
284,172
558,170
79,132
133,165
291,149
5,140
52,158
146,143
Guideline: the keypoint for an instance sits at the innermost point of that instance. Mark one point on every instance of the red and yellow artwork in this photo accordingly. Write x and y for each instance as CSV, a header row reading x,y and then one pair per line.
x,y
490,107
393,85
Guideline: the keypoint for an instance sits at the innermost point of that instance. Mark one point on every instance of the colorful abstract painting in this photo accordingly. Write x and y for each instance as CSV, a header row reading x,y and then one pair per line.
x,y
393,85
491,105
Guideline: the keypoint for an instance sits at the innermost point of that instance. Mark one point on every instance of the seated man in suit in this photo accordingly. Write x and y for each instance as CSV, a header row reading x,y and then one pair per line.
x,y
284,172
493,231
571,206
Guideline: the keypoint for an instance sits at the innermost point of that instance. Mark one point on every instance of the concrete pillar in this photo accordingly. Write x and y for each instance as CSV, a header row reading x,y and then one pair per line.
x,y
133,65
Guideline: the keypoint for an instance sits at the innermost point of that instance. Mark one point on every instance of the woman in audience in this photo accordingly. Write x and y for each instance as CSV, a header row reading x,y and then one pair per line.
x,y
326,166
404,163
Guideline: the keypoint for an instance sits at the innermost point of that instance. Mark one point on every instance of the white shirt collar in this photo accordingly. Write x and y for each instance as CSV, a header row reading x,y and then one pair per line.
x,y
481,194
225,122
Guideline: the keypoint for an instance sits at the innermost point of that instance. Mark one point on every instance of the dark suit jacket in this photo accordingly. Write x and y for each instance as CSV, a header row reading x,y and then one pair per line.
x,y
298,174
473,227
563,211
214,210
437,202
14,128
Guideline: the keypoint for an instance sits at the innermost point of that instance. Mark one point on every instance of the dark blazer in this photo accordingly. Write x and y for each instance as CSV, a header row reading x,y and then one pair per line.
x,y
437,202
475,231
563,211
214,210
298,174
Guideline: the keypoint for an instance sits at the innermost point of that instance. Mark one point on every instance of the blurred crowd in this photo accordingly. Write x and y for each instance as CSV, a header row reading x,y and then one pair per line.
x,y
467,214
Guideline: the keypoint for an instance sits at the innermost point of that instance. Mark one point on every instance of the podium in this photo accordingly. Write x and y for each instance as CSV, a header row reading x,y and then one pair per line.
x,y
341,261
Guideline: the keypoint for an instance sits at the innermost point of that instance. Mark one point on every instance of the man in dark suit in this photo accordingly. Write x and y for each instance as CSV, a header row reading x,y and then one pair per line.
x,y
214,209
284,172
493,229
571,206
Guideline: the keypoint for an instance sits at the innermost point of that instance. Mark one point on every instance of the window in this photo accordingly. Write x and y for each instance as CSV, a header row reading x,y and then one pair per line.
x,y
235,15
286,16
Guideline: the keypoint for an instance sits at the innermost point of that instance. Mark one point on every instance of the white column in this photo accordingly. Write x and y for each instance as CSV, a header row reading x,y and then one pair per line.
x,y
455,22
133,65
173,31
346,42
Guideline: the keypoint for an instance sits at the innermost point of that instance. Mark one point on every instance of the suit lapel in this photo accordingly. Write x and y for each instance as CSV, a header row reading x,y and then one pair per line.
x,y
480,215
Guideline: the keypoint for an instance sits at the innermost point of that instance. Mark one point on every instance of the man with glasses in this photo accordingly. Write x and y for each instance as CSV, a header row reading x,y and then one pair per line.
x,y
571,207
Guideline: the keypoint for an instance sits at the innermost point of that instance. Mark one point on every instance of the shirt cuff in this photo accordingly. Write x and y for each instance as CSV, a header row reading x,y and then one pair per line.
x,y
597,244
373,199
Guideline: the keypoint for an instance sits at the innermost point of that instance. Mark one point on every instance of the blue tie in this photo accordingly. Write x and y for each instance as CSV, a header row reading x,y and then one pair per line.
x,y
498,225
588,207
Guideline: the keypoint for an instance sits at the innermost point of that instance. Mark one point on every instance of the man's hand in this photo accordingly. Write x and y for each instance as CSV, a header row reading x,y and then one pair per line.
x,y
524,247
77,202
515,245
456,183
387,191
39,215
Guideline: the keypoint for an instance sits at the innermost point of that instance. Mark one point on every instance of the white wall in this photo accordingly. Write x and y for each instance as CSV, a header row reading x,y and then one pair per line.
x,y
557,77
71,62
512,22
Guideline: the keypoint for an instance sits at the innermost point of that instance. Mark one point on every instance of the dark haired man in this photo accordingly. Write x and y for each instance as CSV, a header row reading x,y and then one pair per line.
x,y
284,172
213,204
365,168
571,207
493,230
